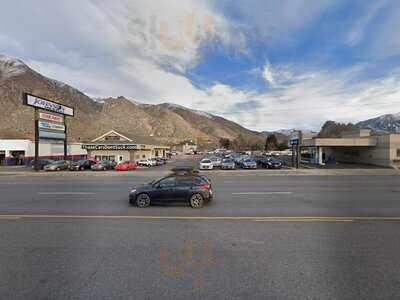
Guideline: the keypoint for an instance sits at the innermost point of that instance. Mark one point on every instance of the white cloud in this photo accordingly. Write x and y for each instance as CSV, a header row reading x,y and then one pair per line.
x,y
142,50
357,33
268,74
314,96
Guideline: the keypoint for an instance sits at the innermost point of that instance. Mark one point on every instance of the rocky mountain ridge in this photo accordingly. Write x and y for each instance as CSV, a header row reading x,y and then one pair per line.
x,y
167,122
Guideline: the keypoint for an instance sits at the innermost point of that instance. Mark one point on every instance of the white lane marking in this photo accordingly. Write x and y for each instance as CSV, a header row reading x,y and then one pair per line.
x,y
66,193
303,220
263,193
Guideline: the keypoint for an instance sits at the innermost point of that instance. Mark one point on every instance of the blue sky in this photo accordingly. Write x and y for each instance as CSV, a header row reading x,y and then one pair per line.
x,y
268,65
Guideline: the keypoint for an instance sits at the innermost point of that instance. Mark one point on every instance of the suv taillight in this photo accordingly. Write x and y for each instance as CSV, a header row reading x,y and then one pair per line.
x,y
206,186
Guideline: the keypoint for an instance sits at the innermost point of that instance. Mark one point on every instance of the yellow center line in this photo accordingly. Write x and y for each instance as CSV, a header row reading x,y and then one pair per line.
x,y
9,218
206,218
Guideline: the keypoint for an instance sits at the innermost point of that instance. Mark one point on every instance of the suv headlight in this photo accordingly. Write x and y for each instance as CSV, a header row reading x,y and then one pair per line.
x,y
133,191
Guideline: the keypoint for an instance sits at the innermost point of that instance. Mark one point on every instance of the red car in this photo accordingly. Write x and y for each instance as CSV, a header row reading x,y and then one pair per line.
x,y
126,166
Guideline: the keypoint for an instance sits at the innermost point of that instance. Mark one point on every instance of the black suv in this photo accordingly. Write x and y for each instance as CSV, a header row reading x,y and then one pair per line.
x,y
189,187
268,162
81,165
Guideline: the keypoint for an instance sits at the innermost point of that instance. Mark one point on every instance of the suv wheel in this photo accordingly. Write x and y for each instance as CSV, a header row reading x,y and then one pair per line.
x,y
196,201
143,200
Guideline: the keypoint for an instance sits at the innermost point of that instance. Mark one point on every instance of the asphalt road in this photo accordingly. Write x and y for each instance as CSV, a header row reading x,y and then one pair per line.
x,y
264,237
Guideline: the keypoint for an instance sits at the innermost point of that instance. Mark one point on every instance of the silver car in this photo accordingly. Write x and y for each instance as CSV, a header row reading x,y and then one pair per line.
x,y
228,164
216,161
249,163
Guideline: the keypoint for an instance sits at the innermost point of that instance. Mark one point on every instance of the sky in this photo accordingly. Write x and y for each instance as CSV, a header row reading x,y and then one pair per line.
x,y
265,64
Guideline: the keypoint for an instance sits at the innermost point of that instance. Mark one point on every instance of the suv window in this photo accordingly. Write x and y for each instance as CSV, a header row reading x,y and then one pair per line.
x,y
167,182
199,180
184,181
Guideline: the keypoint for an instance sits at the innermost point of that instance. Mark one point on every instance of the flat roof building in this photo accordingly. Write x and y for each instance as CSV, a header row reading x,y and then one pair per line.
x,y
359,146
22,151
119,147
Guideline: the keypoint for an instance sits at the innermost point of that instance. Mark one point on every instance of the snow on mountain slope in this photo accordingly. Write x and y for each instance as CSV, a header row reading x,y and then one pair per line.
x,y
198,112
384,123
11,67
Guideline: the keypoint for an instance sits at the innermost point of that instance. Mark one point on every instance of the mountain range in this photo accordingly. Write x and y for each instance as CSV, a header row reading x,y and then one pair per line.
x,y
166,122
382,124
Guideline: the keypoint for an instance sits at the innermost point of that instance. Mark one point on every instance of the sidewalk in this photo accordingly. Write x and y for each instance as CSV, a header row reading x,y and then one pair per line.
x,y
159,172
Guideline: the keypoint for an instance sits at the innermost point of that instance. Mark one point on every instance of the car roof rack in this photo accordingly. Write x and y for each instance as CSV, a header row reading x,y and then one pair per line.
x,y
184,170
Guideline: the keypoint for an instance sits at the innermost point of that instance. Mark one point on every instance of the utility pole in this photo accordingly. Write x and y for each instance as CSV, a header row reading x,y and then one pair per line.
x,y
298,152
65,139
36,140
293,156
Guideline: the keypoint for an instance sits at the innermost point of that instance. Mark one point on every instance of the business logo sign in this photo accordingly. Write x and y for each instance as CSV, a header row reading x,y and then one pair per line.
x,y
51,135
109,147
48,105
51,126
294,142
51,117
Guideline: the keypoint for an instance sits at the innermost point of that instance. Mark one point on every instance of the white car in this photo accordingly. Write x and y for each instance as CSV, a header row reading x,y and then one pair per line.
x,y
206,164
146,163
216,162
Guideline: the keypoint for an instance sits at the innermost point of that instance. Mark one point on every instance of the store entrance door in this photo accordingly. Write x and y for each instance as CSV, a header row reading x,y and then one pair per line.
x,y
2,158
18,157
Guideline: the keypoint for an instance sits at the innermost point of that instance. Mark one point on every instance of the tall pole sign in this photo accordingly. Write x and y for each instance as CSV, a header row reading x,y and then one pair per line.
x,y
295,142
48,125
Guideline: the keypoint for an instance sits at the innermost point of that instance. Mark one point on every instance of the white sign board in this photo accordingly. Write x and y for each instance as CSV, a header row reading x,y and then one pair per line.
x,y
51,117
49,105
51,135
51,126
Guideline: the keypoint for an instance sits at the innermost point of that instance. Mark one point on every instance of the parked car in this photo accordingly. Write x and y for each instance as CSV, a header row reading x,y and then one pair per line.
x,y
273,163
58,165
42,163
228,164
147,163
206,164
158,161
161,160
80,165
104,165
126,166
165,159
248,163
216,162
190,188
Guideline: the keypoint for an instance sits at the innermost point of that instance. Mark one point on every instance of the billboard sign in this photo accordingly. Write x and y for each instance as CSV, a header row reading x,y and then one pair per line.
x,y
109,147
294,142
51,117
51,126
48,105
51,135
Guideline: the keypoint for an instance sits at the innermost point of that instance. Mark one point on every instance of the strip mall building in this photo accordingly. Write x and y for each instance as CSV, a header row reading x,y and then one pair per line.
x,y
111,146
22,151
124,147
359,146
